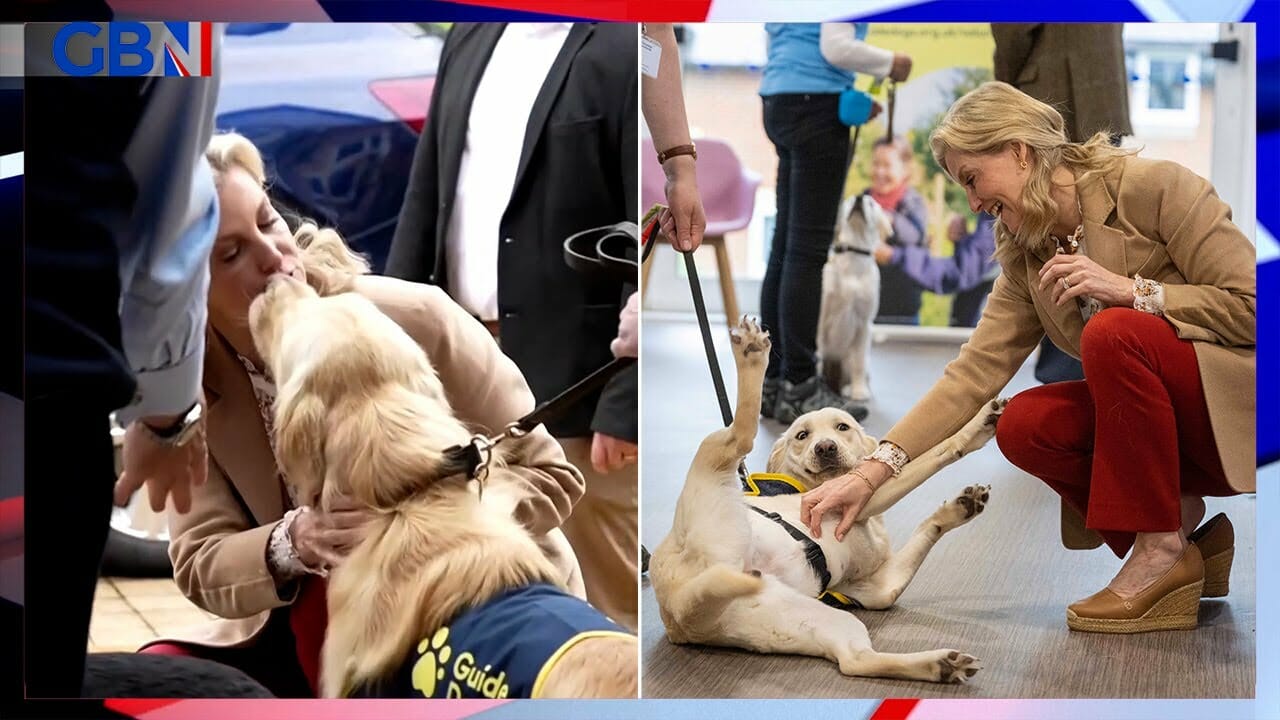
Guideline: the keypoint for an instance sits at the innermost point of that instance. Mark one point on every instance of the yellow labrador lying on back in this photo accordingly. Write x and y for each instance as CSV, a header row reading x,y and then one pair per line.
x,y
446,596
744,572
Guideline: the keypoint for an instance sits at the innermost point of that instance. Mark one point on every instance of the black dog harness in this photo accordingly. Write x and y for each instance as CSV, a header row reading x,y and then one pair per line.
x,y
771,484
837,249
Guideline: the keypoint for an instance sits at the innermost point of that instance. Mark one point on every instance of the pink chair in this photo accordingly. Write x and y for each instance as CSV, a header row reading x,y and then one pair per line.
x,y
728,196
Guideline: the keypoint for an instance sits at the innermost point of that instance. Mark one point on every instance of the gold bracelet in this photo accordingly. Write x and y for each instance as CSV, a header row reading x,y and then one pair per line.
x,y
865,479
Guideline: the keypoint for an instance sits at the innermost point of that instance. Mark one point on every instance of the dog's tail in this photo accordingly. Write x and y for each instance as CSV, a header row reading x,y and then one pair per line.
x,y
704,598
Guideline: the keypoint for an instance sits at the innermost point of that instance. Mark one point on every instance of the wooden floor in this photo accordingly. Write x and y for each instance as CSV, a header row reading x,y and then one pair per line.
x,y
997,588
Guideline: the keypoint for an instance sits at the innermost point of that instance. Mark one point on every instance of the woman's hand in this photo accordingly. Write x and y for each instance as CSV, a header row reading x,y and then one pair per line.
x,y
627,344
901,68
609,453
683,221
167,471
846,495
323,539
1084,277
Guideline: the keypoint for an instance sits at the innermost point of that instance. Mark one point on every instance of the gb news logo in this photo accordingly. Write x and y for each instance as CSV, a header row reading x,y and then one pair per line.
x,y
133,49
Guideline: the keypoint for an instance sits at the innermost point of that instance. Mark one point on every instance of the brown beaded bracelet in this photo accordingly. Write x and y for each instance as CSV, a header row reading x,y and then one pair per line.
x,y
669,153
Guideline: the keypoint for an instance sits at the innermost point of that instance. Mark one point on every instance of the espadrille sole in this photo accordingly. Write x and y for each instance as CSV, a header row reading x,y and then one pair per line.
x,y
1217,574
1178,610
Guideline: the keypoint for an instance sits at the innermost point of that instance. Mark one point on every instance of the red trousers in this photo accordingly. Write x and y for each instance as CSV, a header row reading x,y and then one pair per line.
x,y
1124,444
286,660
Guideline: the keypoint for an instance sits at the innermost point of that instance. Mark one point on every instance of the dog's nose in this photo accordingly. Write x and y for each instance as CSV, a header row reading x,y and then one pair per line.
x,y
825,448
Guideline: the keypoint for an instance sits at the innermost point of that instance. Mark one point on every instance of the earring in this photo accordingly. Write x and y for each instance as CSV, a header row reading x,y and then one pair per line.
x,y
1022,164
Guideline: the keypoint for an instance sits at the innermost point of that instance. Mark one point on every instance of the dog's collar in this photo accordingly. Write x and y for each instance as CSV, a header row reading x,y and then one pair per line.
x,y
837,249
812,551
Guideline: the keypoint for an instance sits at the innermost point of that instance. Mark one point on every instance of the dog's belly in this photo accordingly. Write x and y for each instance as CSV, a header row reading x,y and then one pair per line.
x,y
774,551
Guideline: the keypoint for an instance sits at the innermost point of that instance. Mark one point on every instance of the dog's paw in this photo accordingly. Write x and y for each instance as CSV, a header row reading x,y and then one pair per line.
x,y
964,507
957,667
750,341
980,429
993,411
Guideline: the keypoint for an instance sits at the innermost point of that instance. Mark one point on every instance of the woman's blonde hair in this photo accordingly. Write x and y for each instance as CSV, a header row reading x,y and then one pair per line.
x,y
330,265
994,115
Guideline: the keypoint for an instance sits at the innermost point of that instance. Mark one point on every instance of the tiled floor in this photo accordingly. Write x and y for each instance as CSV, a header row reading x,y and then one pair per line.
x,y
128,612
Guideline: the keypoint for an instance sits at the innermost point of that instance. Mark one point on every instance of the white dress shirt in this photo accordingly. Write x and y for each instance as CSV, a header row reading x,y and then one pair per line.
x,y
495,138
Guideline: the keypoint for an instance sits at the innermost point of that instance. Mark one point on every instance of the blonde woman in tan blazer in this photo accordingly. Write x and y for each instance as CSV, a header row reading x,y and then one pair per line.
x,y
1133,266
244,552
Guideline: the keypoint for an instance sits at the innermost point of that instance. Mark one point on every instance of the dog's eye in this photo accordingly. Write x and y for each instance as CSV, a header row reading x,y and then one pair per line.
x,y
843,427
802,434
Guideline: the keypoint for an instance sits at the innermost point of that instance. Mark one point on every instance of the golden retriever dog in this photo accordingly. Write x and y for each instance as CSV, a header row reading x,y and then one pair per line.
x,y
360,411
742,571
851,297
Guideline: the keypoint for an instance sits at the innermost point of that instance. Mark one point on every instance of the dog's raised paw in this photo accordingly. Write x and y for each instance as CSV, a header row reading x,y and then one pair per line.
x,y
749,339
964,507
957,667
974,499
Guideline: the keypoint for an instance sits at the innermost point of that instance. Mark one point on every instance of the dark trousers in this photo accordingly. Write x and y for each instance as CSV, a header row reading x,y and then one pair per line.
x,y
70,472
79,193
967,305
813,159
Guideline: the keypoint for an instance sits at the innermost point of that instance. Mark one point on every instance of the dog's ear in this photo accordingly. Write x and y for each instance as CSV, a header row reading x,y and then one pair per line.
x,y
778,454
330,265
869,444
300,434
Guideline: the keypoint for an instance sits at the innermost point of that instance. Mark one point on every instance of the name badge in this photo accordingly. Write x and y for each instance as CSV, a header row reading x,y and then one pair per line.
x,y
650,56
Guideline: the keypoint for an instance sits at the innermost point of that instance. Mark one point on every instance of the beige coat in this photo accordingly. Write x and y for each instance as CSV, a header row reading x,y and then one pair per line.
x,y
219,549
1150,218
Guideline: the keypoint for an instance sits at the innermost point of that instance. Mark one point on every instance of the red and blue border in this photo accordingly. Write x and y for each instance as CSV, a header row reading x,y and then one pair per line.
x,y
1266,13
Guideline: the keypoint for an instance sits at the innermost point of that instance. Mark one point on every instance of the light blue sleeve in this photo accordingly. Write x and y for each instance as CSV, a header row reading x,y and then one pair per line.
x,y
164,261
163,311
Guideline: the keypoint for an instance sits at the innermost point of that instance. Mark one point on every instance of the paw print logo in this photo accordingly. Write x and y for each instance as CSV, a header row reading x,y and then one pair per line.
x,y
429,669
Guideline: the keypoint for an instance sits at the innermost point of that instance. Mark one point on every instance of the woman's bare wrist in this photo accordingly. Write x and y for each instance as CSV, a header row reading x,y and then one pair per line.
x,y
680,166
859,476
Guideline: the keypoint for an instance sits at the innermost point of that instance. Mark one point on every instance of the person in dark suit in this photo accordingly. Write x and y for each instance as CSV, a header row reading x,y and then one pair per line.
x,y
531,137
1078,68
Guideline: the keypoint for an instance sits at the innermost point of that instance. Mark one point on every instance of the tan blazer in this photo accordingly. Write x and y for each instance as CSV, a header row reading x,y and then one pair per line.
x,y
219,549
1077,68
1151,218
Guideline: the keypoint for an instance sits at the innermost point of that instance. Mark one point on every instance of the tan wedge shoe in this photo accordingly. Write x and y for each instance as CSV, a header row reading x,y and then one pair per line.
x,y
1217,542
1171,603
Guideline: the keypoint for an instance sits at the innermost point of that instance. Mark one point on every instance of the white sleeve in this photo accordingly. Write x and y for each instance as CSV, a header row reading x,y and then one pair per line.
x,y
842,48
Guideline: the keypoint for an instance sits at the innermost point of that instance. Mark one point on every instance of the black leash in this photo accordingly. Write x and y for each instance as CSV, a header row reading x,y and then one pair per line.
x,y
477,454
607,250
700,309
